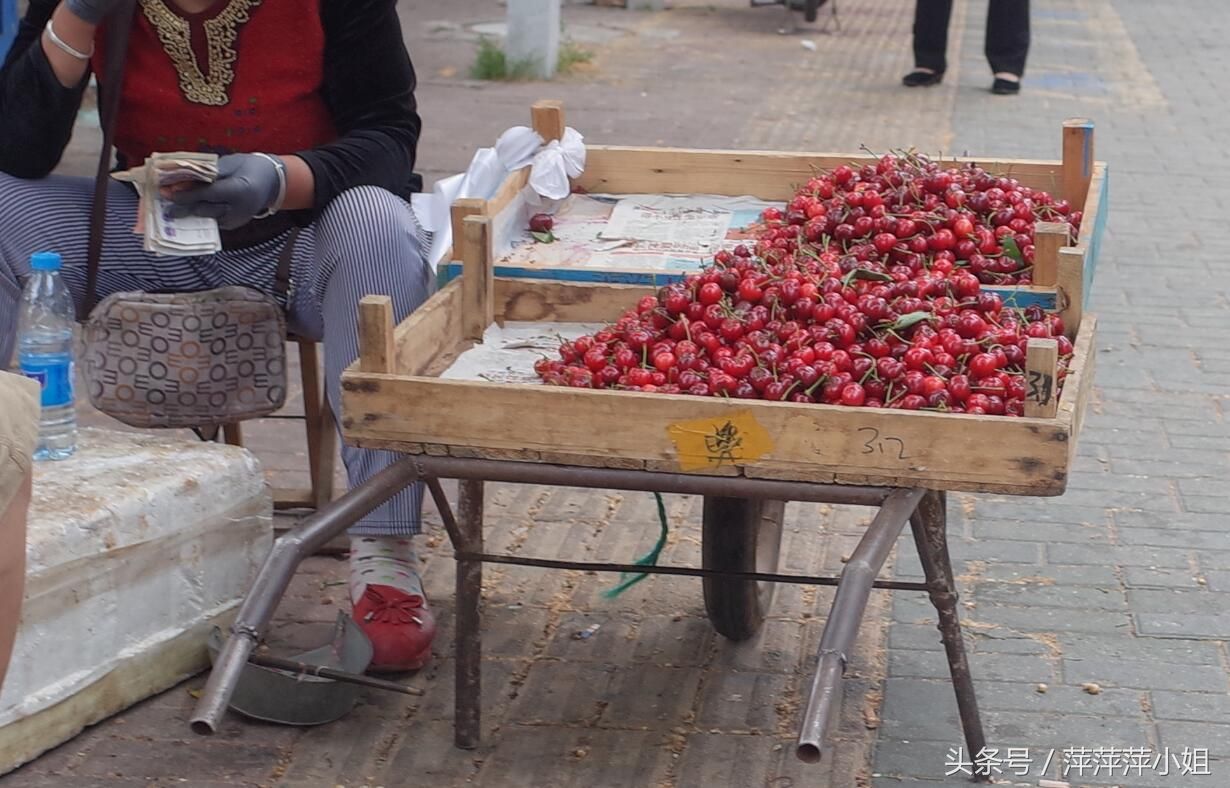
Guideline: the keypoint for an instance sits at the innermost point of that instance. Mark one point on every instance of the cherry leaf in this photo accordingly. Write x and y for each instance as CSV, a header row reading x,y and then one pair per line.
x,y
1011,249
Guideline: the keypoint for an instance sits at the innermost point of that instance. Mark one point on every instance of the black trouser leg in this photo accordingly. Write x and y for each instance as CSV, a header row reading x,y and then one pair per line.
x,y
1007,35
931,33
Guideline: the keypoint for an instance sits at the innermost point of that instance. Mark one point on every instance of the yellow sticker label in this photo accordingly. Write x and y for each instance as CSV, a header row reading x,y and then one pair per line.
x,y
706,444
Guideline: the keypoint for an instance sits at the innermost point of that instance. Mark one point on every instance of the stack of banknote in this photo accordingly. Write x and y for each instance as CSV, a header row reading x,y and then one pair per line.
x,y
161,175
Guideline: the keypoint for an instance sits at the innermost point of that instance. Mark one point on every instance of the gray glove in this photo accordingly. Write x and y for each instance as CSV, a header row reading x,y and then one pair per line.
x,y
92,11
247,185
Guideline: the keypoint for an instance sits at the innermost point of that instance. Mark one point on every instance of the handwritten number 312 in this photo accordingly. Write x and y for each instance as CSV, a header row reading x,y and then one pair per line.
x,y
875,443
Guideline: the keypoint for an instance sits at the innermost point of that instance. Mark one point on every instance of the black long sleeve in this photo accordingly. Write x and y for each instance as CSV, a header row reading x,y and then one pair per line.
x,y
368,88
36,112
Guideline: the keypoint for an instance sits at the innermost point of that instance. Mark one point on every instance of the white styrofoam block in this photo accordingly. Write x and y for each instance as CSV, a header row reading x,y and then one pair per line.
x,y
133,542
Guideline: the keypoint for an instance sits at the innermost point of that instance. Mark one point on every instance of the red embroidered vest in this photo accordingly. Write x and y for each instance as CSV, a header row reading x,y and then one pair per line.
x,y
242,76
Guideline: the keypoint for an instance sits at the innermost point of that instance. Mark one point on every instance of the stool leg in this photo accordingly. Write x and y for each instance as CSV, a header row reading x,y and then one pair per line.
x,y
321,428
468,693
232,434
930,526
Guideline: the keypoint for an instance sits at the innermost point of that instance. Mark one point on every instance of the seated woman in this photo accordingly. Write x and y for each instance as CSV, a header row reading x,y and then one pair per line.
x,y
310,104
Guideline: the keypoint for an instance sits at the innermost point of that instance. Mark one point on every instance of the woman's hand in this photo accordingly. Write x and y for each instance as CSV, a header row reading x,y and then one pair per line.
x,y
248,185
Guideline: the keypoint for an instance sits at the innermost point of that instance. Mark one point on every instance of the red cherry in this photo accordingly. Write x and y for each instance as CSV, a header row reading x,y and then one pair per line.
x,y
710,293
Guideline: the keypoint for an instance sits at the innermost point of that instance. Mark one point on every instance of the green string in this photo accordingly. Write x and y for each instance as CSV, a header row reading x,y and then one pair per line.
x,y
649,559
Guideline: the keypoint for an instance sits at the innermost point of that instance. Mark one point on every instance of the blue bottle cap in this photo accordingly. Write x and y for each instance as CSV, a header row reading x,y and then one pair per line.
x,y
45,261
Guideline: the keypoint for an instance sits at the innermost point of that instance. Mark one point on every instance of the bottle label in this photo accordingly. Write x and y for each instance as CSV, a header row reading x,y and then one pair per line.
x,y
54,375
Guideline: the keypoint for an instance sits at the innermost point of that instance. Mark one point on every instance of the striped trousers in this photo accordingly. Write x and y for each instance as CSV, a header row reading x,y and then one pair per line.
x,y
365,242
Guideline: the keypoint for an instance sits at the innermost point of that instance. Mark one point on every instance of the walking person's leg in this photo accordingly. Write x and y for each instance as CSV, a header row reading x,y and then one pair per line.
x,y
1007,43
367,242
930,42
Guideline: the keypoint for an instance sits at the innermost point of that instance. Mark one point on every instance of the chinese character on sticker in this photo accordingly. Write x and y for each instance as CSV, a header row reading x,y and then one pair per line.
x,y
1107,760
723,443
1017,760
1193,760
1162,759
988,762
957,763
1136,760
1077,761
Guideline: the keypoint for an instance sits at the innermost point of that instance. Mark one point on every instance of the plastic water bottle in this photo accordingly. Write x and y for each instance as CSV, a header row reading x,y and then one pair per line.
x,y
45,353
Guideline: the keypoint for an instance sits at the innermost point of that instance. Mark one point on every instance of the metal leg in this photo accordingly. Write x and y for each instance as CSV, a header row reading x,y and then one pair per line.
x,y
930,526
853,590
468,694
274,577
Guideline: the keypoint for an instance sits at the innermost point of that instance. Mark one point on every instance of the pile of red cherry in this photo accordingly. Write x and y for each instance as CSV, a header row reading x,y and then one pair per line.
x,y
866,291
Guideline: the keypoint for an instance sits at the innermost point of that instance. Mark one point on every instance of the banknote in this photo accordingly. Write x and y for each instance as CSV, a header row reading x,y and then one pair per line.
x,y
164,234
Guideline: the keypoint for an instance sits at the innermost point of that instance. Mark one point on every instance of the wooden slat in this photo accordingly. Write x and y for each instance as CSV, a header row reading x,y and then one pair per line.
x,y
432,332
1041,378
376,350
926,449
1071,287
547,118
764,174
1013,295
1093,204
287,498
1049,238
1078,160
476,277
508,191
1078,386
564,302
1093,223
460,209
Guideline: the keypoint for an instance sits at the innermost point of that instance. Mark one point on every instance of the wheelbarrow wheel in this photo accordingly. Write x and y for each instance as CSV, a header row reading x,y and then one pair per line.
x,y
740,535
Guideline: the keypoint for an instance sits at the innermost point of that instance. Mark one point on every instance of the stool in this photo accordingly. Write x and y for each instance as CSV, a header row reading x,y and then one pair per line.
x,y
321,435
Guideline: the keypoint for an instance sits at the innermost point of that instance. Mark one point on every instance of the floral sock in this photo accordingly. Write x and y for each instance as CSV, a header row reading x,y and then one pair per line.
x,y
383,561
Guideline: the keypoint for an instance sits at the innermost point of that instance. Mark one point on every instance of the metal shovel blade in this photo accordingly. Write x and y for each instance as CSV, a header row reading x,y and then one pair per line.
x,y
297,699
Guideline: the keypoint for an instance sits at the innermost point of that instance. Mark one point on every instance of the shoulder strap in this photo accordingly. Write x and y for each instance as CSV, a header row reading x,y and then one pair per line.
x,y
119,25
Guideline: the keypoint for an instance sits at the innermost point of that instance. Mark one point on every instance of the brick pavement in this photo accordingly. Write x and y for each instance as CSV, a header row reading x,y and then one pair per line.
x,y
1117,582
1120,582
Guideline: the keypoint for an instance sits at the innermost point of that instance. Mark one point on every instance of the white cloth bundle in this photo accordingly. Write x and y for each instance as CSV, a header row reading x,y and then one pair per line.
x,y
552,165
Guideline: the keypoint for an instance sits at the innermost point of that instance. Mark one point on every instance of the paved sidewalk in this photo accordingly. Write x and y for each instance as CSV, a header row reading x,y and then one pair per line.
x,y
1123,582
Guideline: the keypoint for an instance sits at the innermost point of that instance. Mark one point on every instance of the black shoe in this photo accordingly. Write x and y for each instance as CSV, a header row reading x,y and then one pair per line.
x,y
1005,87
918,79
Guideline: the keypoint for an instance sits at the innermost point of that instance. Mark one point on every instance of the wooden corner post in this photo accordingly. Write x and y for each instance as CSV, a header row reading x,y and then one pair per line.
x,y
1041,378
376,351
1070,287
477,277
1049,238
461,208
1078,161
547,118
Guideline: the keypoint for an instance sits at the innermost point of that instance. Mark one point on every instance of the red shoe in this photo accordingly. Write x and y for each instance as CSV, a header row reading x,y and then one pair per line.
x,y
400,627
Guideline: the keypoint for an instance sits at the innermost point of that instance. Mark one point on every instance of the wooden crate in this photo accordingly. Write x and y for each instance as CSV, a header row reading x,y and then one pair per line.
x,y
393,398
1063,273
